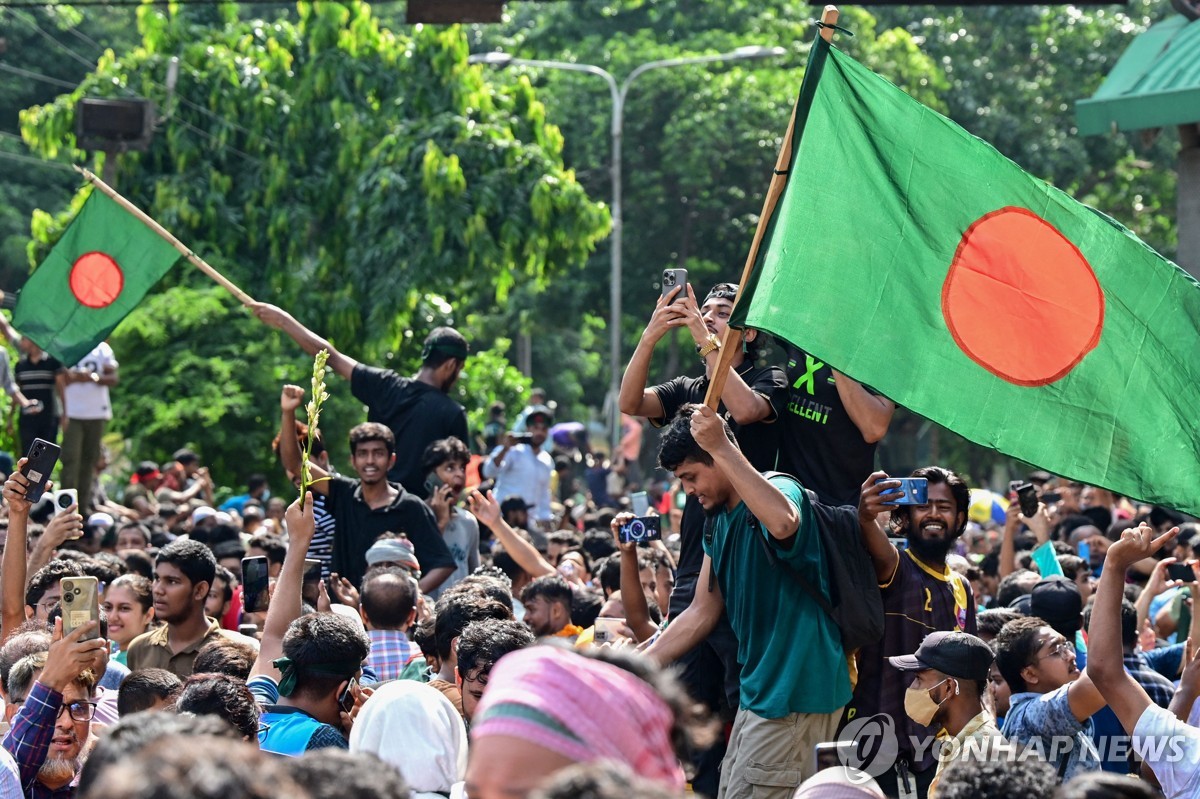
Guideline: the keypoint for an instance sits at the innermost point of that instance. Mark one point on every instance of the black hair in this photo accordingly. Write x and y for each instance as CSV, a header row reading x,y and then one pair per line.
x,y
423,637
507,564
227,577
455,610
599,543
226,656
443,344
388,598
1010,587
609,574
494,587
222,696
1002,778
990,564
937,475
582,553
103,571
585,608
141,689
332,773
139,586
273,545
551,588
255,482
1071,565
136,731
990,621
139,527
49,575
115,561
1015,646
602,780
1129,622
677,444
318,443
1106,785
371,431
195,560
181,767
138,561
323,638
442,451
22,643
482,643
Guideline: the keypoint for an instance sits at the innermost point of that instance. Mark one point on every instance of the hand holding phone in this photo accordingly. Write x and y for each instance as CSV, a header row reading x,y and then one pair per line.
x,y
255,584
912,491
81,604
39,463
672,279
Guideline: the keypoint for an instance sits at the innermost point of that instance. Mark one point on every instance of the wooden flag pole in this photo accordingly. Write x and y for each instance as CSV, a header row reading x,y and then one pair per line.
x,y
145,219
732,337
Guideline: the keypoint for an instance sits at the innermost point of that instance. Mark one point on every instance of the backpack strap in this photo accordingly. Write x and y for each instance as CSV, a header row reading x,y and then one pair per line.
x,y
813,592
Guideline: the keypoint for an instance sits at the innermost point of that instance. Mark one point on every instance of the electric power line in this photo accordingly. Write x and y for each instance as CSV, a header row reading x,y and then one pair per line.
x,y
89,64
37,76
29,159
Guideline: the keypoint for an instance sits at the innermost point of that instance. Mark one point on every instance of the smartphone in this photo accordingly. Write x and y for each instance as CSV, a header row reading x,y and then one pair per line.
x,y
65,498
1085,551
433,483
1050,497
672,278
255,580
1181,572
248,630
522,438
346,697
39,464
912,491
899,543
312,570
1028,498
831,754
639,503
80,604
641,530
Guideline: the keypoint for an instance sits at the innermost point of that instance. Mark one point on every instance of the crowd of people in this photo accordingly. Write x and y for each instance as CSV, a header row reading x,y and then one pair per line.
x,y
458,615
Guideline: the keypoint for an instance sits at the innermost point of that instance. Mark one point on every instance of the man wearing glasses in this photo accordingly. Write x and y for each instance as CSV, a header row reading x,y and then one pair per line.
x,y
1052,700
50,731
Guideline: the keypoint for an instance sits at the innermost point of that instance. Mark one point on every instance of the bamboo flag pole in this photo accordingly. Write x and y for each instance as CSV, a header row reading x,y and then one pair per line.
x,y
732,337
149,222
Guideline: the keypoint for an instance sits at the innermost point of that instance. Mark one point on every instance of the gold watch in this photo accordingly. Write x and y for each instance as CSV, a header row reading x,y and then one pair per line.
x,y
713,344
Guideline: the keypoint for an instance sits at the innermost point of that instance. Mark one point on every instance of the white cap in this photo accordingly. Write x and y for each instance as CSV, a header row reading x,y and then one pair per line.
x,y
201,513
100,520
223,518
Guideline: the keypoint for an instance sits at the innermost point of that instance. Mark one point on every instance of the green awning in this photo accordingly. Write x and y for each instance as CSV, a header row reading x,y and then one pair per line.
x,y
1155,83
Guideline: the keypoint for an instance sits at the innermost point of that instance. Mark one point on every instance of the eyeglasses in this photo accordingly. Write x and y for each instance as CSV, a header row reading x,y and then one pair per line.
x,y
1060,650
80,711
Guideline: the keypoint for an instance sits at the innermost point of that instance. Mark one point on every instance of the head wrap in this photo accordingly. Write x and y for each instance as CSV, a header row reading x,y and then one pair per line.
x,y
549,697
290,669
393,550
416,729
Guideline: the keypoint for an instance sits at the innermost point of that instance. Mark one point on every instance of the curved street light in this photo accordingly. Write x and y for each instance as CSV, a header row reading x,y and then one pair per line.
x,y
619,92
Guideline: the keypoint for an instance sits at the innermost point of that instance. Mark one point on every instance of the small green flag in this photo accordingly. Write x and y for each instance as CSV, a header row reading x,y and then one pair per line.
x,y
915,258
98,272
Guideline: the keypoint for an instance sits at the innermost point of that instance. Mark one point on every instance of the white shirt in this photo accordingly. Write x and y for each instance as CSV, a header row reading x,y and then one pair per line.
x,y
90,400
523,473
10,777
1171,749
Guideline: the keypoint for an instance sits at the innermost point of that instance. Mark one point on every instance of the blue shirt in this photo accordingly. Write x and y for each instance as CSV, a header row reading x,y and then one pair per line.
x,y
1046,723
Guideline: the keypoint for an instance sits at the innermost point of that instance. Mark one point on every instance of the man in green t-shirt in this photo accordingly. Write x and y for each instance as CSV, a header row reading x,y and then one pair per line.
x,y
795,680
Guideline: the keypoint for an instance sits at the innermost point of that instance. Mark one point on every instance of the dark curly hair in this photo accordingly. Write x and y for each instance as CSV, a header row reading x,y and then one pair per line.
x,y
677,444
936,475
222,696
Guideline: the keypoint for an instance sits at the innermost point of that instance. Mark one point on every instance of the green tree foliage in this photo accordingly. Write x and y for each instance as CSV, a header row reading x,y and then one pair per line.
x,y
338,169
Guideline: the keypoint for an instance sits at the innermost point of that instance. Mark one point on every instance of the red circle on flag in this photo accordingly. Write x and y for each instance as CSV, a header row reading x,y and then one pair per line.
x,y
96,280
1020,299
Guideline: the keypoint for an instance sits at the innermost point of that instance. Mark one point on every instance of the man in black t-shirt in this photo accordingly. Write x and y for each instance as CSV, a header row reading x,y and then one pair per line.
x,y
417,410
365,508
829,426
36,375
749,404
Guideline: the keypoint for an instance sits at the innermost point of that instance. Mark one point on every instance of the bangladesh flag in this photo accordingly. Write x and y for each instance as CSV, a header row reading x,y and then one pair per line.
x,y
915,258
98,272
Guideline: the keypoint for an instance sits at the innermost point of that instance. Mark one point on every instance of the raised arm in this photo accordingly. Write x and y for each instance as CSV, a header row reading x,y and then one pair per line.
x,y
637,610
286,603
870,413
768,504
289,448
13,568
487,510
635,398
883,553
1106,665
309,341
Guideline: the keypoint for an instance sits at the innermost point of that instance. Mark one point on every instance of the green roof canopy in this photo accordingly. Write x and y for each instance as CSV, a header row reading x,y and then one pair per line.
x,y
1155,83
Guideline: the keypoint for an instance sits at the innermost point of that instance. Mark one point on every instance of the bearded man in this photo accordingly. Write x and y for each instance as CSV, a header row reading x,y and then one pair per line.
x,y
921,594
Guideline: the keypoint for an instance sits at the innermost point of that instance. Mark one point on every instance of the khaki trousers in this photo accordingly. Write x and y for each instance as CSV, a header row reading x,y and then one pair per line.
x,y
769,758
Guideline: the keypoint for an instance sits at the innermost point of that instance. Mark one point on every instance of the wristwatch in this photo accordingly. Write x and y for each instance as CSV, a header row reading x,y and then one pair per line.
x,y
713,343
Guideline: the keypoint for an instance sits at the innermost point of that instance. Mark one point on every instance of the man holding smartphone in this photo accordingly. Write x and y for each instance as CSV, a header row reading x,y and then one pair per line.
x,y
522,469
748,405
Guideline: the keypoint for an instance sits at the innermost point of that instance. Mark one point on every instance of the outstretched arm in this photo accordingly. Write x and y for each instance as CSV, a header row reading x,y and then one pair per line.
x,y
883,553
487,510
694,624
286,602
289,447
309,341
635,399
870,413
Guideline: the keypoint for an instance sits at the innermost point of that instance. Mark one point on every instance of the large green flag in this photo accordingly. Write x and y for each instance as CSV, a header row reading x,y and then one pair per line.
x,y
915,258
98,272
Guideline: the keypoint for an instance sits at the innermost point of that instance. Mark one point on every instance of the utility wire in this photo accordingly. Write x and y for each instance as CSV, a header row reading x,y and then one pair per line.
x,y
24,73
28,159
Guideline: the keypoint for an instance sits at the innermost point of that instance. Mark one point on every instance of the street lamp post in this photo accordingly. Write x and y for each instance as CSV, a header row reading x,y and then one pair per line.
x,y
619,94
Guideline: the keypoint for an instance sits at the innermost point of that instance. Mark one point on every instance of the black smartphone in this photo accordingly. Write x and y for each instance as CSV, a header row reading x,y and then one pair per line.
x,y
1181,572
521,438
346,697
1028,499
1050,497
641,530
39,464
255,582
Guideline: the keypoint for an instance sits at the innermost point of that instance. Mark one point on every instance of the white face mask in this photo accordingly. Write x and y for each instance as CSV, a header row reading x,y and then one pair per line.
x,y
920,707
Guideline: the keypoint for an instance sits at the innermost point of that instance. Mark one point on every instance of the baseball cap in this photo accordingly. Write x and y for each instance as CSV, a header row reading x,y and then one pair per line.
x,y
539,412
514,503
393,550
953,653
1057,601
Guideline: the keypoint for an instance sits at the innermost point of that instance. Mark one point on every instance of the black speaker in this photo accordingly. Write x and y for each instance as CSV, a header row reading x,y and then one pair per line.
x,y
114,125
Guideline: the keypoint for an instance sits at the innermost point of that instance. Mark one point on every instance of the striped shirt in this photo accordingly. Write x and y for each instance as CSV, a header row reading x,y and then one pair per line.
x,y
321,547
